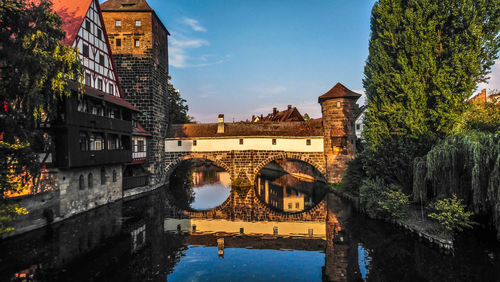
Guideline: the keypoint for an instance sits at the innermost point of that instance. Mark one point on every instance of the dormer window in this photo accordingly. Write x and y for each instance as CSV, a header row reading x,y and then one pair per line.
x,y
111,89
118,23
87,79
99,34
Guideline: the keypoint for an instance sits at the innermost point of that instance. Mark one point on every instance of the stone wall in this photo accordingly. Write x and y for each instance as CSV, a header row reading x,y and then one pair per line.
x,y
244,164
143,74
74,200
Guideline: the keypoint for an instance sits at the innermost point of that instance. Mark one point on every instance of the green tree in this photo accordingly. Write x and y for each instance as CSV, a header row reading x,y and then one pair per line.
x,y
35,67
307,117
425,58
178,108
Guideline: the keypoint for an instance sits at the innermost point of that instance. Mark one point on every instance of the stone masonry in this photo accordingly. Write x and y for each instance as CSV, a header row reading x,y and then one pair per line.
x,y
140,50
245,165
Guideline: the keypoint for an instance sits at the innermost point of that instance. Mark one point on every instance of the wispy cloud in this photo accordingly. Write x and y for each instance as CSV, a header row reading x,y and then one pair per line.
x,y
494,81
194,24
178,49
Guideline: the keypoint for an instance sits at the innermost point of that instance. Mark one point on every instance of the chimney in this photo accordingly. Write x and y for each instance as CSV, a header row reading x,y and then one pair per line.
x,y
289,107
275,110
220,124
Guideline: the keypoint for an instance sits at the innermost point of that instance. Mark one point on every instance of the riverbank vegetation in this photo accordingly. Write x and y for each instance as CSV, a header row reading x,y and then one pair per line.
x,y
422,140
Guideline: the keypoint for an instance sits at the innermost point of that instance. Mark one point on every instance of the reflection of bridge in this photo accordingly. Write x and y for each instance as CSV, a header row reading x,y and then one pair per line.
x,y
243,148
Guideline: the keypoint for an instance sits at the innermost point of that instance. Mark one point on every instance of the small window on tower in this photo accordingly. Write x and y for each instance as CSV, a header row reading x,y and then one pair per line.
x,y
338,104
118,23
101,59
137,23
87,25
85,50
136,42
118,42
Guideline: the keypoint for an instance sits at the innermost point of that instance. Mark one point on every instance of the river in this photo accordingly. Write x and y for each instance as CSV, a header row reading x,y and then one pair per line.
x,y
199,228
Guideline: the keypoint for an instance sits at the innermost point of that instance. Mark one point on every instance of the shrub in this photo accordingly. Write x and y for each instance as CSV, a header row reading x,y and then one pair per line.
x,y
353,176
451,214
382,201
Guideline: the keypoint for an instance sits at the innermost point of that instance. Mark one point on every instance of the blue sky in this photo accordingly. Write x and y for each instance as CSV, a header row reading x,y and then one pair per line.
x,y
242,58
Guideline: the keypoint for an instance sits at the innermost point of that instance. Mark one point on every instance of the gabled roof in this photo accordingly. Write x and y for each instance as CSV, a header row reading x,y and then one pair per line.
x,y
290,114
72,14
338,91
125,5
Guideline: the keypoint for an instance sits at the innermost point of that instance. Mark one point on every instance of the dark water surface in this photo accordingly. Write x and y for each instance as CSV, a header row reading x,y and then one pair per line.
x,y
283,229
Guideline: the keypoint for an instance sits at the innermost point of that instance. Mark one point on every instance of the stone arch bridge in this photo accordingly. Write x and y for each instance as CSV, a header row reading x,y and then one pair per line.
x,y
243,149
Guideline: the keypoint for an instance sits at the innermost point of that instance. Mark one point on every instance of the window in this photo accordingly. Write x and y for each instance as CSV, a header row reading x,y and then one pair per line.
x,y
241,141
111,89
297,205
85,50
81,183
84,142
96,142
101,59
103,176
290,205
87,79
179,143
91,181
358,126
87,25
99,34
99,84
338,104
136,42
118,23
118,42
195,143
82,105
140,146
113,142
308,142
274,141
114,176
137,23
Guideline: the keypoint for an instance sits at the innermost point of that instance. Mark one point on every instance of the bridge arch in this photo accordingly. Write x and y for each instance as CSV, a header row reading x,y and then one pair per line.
x,y
290,156
174,164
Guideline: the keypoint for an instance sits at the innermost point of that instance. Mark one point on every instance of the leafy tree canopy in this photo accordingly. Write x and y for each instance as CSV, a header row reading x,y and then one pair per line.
x,y
35,67
178,108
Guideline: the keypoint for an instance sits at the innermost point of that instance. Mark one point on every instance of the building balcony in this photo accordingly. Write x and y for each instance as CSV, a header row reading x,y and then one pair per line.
x,y
78,158
130,182
87,120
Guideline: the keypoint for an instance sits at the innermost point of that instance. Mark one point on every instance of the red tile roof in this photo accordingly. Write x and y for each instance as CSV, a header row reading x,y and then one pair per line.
x,y
72,14
310,128
126,5
291,114
338,91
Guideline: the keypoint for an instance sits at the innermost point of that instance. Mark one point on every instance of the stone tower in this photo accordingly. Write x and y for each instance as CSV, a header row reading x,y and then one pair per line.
x,y
339,109
139,43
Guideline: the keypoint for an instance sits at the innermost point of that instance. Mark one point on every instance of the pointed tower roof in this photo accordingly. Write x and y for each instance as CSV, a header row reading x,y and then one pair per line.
x,y
125,5
338,91
72,14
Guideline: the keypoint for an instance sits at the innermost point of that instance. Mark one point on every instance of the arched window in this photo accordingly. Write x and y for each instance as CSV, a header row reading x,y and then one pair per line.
x,y
103,176
91,181
81,183
114,176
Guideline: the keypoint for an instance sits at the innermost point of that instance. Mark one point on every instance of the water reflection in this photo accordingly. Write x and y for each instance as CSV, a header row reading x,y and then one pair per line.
x,y
151,239
288,193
